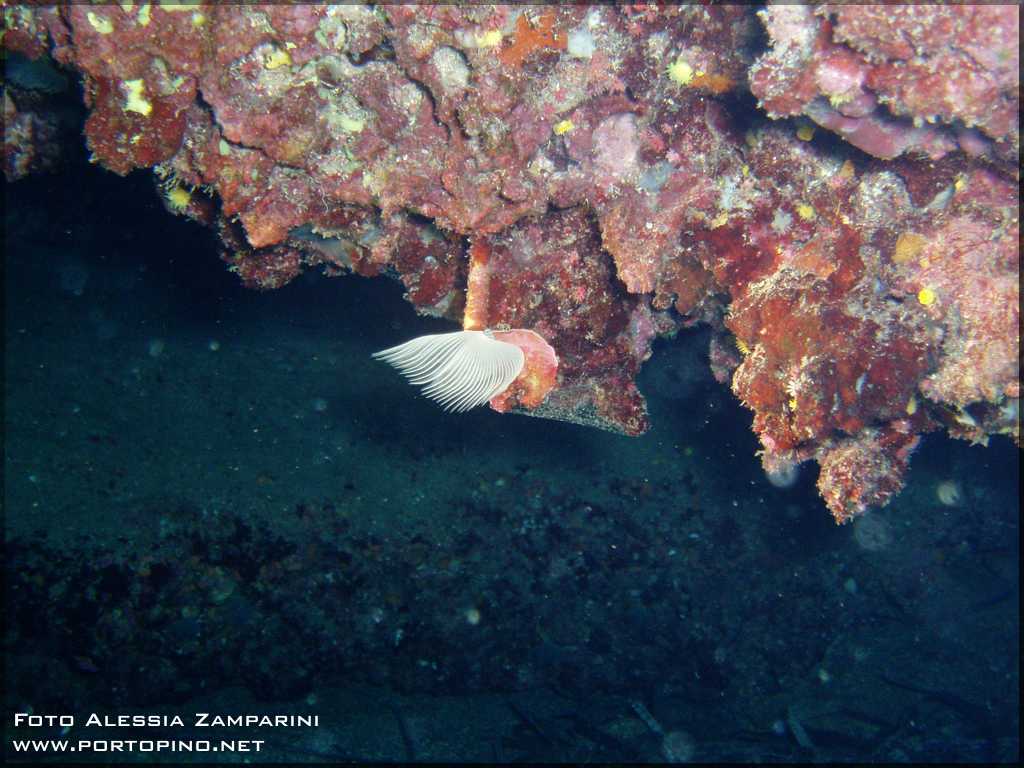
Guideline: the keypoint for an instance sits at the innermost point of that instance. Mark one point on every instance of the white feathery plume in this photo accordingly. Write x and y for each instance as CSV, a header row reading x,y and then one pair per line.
x,y
459,370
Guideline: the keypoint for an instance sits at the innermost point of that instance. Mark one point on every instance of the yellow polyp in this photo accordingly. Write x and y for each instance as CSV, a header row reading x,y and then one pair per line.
x,y
101,24
792,404
741,345
805,211
911,406
745,170
805,132
680,72
178,198
720,220
563,127
838,99
489,39
135,100
960,182
926,297
277,58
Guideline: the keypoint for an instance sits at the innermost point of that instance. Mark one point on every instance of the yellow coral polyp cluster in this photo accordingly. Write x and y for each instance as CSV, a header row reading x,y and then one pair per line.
x,y
178,198
680,72
277,58
489,39
101,24
135,97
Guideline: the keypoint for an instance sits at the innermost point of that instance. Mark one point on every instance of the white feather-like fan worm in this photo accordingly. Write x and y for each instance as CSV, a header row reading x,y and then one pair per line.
x,y
467,368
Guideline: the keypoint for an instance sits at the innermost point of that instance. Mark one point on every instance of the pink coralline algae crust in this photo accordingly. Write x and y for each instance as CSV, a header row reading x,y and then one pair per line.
x,y
857,303
865,471
974,279
33,30
553,277
139,81
538,377
601,157
896,79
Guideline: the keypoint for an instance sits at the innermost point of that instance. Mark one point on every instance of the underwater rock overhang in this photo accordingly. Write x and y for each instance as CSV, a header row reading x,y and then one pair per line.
x,y
853,240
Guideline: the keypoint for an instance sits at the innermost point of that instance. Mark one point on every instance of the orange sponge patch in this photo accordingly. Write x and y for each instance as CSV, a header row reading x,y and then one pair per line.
x,y
531,37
